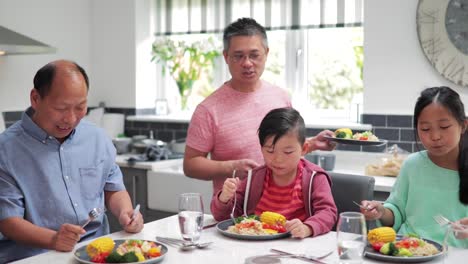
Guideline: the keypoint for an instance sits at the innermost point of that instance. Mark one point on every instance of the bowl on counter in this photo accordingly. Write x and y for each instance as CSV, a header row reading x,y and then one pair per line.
x,y
177,146
122,144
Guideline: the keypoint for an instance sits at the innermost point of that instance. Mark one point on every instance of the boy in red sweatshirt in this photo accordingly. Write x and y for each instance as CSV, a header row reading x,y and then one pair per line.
x,y
287,183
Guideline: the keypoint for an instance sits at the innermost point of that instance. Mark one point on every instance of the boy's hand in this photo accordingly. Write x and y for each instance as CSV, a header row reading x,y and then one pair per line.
x,y
229,189
297,228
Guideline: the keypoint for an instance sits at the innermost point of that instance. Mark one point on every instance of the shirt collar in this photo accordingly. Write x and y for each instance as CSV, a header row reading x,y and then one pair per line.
x,y
35,131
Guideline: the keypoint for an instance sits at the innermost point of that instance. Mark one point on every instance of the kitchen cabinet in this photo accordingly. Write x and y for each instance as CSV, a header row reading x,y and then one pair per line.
x,y
135,182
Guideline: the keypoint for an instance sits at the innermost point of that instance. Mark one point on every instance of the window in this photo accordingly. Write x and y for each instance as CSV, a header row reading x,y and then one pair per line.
x,y
320,65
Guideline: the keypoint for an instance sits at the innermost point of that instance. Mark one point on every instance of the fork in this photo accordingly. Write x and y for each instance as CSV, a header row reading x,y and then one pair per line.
x,y
303,256
184,244
93,214
235,201
360,205
441,220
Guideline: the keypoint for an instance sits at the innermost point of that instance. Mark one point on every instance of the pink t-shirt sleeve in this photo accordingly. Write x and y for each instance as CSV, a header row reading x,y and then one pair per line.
x,y
200,134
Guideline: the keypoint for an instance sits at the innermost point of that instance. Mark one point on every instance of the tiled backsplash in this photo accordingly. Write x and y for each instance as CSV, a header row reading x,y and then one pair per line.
x,y
397,129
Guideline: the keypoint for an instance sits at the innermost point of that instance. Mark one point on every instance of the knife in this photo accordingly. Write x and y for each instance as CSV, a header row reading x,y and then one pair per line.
x,y
135,212
298,256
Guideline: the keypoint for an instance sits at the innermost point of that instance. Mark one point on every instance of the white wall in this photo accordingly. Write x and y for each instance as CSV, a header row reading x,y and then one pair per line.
x,y
63,24
113,53
146,80
395,68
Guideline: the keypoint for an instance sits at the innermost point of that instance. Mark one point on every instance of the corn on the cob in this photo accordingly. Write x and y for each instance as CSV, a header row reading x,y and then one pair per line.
x,y
272,218
344,133
100,245
381,234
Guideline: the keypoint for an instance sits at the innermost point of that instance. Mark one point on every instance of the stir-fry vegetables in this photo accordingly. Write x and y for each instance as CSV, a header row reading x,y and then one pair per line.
x,y
253,225
129,251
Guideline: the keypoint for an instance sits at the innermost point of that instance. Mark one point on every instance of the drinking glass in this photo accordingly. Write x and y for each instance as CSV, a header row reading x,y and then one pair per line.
x,y
190,216
351,237
455,235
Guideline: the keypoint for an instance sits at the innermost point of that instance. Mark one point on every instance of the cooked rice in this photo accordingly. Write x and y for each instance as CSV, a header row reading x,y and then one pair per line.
x,y
427,250
254,230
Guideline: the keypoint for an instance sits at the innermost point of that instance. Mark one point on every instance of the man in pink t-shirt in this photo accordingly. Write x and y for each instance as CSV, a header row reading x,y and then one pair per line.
x,y
225,124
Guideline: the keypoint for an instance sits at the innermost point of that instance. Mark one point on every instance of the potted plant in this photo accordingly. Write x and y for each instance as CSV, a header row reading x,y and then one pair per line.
x,y
185,61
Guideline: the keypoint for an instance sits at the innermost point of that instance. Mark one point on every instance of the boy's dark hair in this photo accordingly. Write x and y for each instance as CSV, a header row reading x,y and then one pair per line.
x,y
244,27
279,122
449,99
45,76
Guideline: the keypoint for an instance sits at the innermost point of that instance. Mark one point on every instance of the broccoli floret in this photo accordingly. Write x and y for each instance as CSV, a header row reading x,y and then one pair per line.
x,y
114,257
393,249
240,218
341,135
129,257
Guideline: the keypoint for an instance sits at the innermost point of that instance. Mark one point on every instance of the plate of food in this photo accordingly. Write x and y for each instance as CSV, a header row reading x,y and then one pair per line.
x,y
399,248
346,136
267,226
107,250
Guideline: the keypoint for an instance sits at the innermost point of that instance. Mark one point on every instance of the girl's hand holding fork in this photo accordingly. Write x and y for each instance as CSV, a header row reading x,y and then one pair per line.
x,y
376,211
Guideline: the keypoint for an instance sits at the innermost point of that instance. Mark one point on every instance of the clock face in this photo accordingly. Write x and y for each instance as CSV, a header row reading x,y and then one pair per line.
x,y
443,35
456,24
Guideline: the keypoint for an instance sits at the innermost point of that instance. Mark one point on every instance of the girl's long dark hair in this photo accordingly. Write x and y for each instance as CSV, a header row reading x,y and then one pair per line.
x,y
451,101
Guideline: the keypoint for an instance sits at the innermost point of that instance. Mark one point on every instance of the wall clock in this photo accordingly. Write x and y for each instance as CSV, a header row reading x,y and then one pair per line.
x,y
443,34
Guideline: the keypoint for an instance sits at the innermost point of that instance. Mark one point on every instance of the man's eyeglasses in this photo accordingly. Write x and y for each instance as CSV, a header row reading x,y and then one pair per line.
x,y
253,57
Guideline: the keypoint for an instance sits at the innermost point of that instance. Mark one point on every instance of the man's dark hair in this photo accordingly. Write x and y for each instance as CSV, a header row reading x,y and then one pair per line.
x,y
278,122
45,76
244,27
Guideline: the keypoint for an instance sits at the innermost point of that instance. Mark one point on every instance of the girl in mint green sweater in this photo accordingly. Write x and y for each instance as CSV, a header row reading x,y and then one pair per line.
x,y
433,181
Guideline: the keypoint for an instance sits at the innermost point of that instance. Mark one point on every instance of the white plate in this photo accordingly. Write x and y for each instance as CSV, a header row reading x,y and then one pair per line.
x,y
83,257
224,225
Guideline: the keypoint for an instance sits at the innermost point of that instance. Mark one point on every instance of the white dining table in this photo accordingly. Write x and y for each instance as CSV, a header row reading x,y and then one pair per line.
x,y
227,250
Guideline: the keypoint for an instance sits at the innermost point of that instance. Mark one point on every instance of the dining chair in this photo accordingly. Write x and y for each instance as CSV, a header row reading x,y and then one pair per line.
x,y
347,188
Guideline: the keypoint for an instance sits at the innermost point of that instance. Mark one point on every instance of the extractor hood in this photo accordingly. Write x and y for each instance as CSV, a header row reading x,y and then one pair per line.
x,y
12,43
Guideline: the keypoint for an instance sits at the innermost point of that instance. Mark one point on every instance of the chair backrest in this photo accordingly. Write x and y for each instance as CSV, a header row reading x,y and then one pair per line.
x,y
347,188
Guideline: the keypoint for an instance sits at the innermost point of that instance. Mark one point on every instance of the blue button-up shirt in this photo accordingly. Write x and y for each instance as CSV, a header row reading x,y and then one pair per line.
x,y
49,184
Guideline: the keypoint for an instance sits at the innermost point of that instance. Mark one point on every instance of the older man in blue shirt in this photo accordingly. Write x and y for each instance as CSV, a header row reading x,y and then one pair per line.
x,y
55,167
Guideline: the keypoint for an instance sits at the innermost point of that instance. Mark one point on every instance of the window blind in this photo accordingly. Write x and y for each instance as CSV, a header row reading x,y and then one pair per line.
x,y
212,16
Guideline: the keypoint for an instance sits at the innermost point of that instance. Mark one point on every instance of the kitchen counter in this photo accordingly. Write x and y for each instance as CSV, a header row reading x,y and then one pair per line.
x,y
354,162
310,123
121,160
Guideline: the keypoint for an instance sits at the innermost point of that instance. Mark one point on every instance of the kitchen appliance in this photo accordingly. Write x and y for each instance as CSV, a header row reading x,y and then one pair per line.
x,y
154,150
12,43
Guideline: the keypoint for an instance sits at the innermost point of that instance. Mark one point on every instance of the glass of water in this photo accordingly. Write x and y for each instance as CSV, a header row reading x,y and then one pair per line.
x,y
456,236
190,216
351,237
